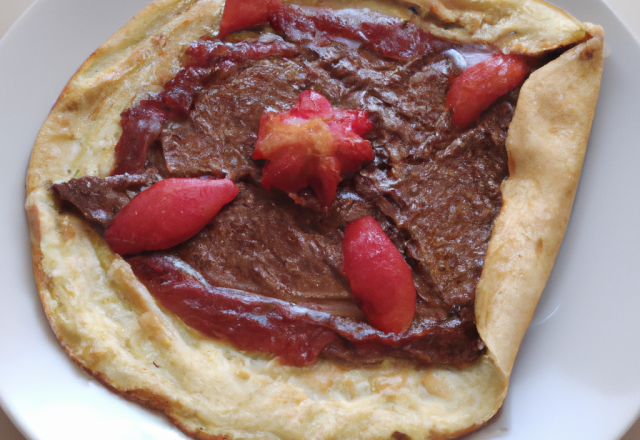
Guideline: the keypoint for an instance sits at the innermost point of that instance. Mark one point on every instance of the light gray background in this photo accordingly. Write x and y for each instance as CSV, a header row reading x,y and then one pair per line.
x,y
10,11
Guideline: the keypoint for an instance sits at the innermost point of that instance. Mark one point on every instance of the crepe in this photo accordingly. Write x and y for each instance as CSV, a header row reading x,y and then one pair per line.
x,y
110,325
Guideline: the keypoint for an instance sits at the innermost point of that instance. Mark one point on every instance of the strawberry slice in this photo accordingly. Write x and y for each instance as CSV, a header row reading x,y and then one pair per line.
x,y
243,14
312,144
167,213
479,86
380,279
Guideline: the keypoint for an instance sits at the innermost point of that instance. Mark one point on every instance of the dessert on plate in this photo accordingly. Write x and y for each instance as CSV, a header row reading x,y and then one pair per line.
x,y
325,220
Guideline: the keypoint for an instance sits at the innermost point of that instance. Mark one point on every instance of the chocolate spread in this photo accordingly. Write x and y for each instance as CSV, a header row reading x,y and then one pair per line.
x,y
266,273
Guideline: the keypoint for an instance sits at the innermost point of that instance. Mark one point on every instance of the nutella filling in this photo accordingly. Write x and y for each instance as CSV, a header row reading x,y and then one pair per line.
x,y
266,273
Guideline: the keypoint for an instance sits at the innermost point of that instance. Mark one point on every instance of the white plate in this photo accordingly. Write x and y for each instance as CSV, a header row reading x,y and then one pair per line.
x,y
578,372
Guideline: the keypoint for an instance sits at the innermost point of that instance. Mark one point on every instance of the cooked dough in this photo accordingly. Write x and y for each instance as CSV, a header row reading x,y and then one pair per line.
x,y
109,324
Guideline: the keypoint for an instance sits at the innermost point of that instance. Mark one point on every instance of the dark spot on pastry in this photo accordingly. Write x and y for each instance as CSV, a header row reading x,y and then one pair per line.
x,y
587,54
400,436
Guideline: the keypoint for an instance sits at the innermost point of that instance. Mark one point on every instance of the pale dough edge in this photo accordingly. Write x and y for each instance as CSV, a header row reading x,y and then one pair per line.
x,y
137,50
546,145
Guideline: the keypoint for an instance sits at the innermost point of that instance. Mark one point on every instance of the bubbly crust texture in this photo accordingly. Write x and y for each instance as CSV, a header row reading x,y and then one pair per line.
x,y
109,324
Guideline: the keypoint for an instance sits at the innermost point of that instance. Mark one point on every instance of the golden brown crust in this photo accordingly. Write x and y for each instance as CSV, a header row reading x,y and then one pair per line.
x,y
109,324
521,26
